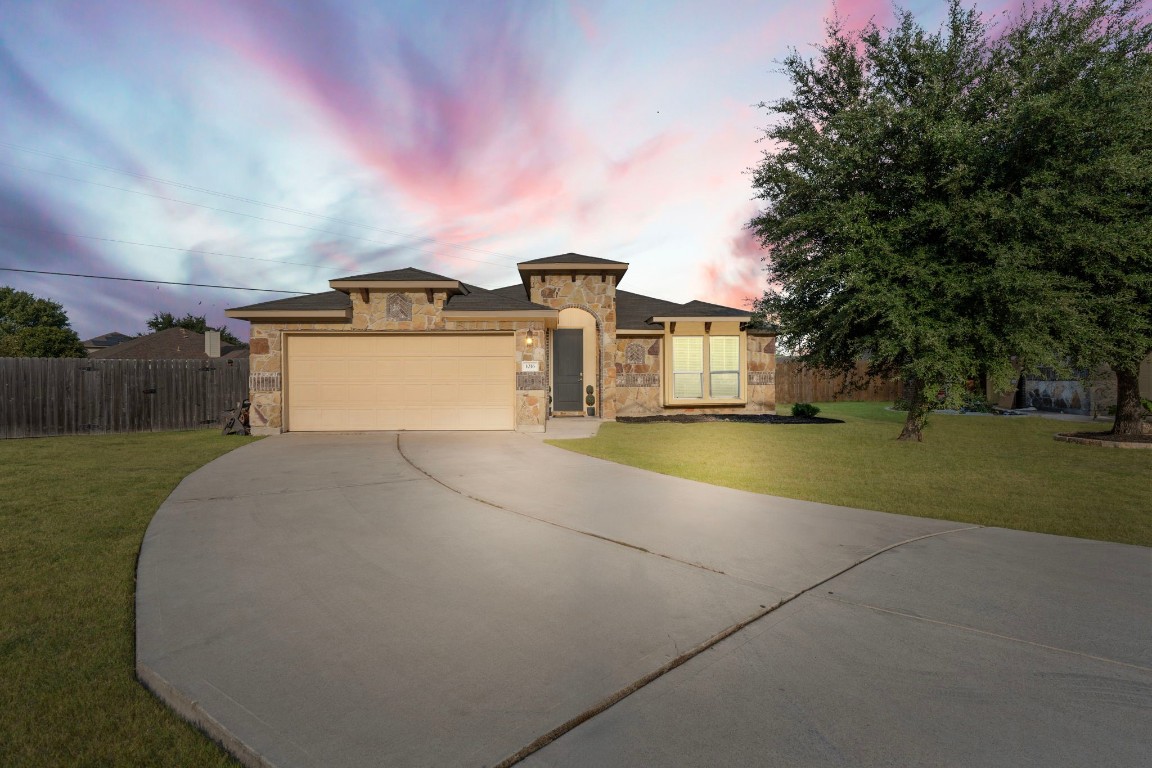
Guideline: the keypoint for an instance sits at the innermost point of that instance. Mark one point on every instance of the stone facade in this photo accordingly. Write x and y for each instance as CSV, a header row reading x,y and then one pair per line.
x,y
640,385
629,380
267,345
595,294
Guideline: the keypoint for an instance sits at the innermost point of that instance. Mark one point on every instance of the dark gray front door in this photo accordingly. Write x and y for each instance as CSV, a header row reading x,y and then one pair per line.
x,y
569,369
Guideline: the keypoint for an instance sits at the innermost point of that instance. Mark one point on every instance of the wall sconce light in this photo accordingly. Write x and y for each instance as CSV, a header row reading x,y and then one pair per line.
x,y
530,339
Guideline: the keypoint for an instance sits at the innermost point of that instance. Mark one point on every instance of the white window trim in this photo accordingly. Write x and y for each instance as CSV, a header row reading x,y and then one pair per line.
x,y
670,398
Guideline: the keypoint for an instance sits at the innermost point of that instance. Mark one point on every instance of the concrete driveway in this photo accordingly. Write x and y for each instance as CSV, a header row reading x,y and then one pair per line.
x,y
481,598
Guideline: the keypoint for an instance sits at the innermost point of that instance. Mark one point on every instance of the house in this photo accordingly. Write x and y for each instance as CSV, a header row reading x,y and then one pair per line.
x,y
408,349
105,340
170,344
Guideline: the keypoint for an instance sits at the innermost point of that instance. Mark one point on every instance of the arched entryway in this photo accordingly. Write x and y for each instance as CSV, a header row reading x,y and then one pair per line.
x,y
575,362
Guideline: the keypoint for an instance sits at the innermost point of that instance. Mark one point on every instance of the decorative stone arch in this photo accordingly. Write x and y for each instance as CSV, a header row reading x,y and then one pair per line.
x,y
600,346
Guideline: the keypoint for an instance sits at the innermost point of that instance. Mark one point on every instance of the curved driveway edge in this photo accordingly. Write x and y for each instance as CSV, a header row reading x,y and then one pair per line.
x,y
323,600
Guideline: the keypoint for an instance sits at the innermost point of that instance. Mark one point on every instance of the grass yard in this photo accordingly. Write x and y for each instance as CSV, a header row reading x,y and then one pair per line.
x,y
986,470
73,511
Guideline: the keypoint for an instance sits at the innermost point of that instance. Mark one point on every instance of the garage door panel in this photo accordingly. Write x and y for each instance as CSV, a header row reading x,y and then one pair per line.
x,y
368,382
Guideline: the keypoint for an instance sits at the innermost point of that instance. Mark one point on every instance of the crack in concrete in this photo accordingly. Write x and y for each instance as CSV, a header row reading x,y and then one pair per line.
x,y
687,656
683,658
608,539
986,633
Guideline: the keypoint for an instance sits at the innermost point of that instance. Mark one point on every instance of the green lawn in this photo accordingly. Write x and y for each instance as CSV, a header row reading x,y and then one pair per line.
x,y
986,470
73,511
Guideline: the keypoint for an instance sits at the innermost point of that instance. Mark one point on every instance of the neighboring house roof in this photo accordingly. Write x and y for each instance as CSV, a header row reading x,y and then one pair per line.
x,y
104,340
170,344
325,300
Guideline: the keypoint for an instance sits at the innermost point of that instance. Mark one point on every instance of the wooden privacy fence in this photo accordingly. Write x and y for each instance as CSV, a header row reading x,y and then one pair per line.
x,y
41,397
795,384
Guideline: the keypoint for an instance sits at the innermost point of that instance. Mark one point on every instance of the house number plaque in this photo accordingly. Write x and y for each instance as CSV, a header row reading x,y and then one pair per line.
x,y
530,366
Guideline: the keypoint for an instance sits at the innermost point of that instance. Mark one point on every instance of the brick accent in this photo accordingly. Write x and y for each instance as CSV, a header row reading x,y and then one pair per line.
x,y
526,382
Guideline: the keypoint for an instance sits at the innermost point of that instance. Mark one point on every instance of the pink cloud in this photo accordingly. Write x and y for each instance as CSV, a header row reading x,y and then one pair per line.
x,y
737,278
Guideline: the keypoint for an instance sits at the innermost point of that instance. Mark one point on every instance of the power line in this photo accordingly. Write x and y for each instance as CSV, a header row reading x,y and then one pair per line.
x,y
234,213
157,282
167,247
241,198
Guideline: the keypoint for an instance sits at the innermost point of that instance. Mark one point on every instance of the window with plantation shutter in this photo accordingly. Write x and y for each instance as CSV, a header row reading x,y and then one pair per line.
x,y
688,367
724,366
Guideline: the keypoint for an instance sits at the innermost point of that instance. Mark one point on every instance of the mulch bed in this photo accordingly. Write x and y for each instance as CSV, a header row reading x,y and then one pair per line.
x,y
1110,438
742,418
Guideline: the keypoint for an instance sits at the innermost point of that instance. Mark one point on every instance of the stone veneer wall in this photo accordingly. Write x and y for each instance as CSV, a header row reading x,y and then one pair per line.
x,y
636,395
266,352
596,294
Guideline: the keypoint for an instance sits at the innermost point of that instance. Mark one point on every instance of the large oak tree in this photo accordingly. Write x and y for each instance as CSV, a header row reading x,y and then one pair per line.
x,y
897,213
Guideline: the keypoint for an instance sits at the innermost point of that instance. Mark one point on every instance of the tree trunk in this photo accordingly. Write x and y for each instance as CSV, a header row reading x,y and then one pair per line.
x,y
918,409
1129,411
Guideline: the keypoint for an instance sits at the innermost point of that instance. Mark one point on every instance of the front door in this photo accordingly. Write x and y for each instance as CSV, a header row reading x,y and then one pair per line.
x,y
568,369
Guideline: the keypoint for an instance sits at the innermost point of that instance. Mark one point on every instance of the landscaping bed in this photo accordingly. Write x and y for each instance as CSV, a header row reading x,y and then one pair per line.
x,y
740,418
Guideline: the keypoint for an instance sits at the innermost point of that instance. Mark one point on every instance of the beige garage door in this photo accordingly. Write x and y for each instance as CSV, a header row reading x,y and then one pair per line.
x,y
353,382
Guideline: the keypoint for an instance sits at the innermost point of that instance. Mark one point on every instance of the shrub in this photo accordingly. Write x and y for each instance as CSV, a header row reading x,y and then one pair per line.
x,y
806,410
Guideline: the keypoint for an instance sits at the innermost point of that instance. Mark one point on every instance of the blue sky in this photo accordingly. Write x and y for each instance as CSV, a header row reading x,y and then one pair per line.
x,y
278,145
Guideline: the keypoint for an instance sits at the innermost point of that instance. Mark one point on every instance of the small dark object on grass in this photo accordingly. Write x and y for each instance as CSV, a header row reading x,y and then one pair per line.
x,y
806,410
741,418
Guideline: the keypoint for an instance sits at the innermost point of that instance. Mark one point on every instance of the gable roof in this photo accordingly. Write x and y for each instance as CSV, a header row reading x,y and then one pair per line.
x,y
405,275
699,308
482,300
633,311
169,344
572,258
324,300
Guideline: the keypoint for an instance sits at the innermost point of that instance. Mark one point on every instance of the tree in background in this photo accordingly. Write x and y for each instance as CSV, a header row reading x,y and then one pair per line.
x,y
162,321
32,327
1073,175
872,191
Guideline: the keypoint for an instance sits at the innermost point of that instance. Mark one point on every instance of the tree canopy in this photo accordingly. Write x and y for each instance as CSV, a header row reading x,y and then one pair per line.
x,y
34,327
900,188
162,321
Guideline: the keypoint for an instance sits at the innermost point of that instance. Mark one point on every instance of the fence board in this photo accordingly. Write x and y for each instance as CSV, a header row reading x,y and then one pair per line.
x,y
795,384
40,397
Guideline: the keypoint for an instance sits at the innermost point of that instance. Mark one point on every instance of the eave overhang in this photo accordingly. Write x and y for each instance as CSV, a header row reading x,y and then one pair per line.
x,y
617,268
550,316
451,286
702,319
289,314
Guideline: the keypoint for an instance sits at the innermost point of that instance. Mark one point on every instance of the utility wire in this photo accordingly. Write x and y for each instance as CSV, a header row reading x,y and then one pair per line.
x,y
253,201
157,282
235,213
170,247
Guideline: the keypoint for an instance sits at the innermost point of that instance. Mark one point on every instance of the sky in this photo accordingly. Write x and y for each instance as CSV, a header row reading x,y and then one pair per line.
x,y
279,145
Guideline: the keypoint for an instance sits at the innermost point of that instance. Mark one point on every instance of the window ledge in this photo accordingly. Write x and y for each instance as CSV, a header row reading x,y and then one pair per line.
x,y
697,403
